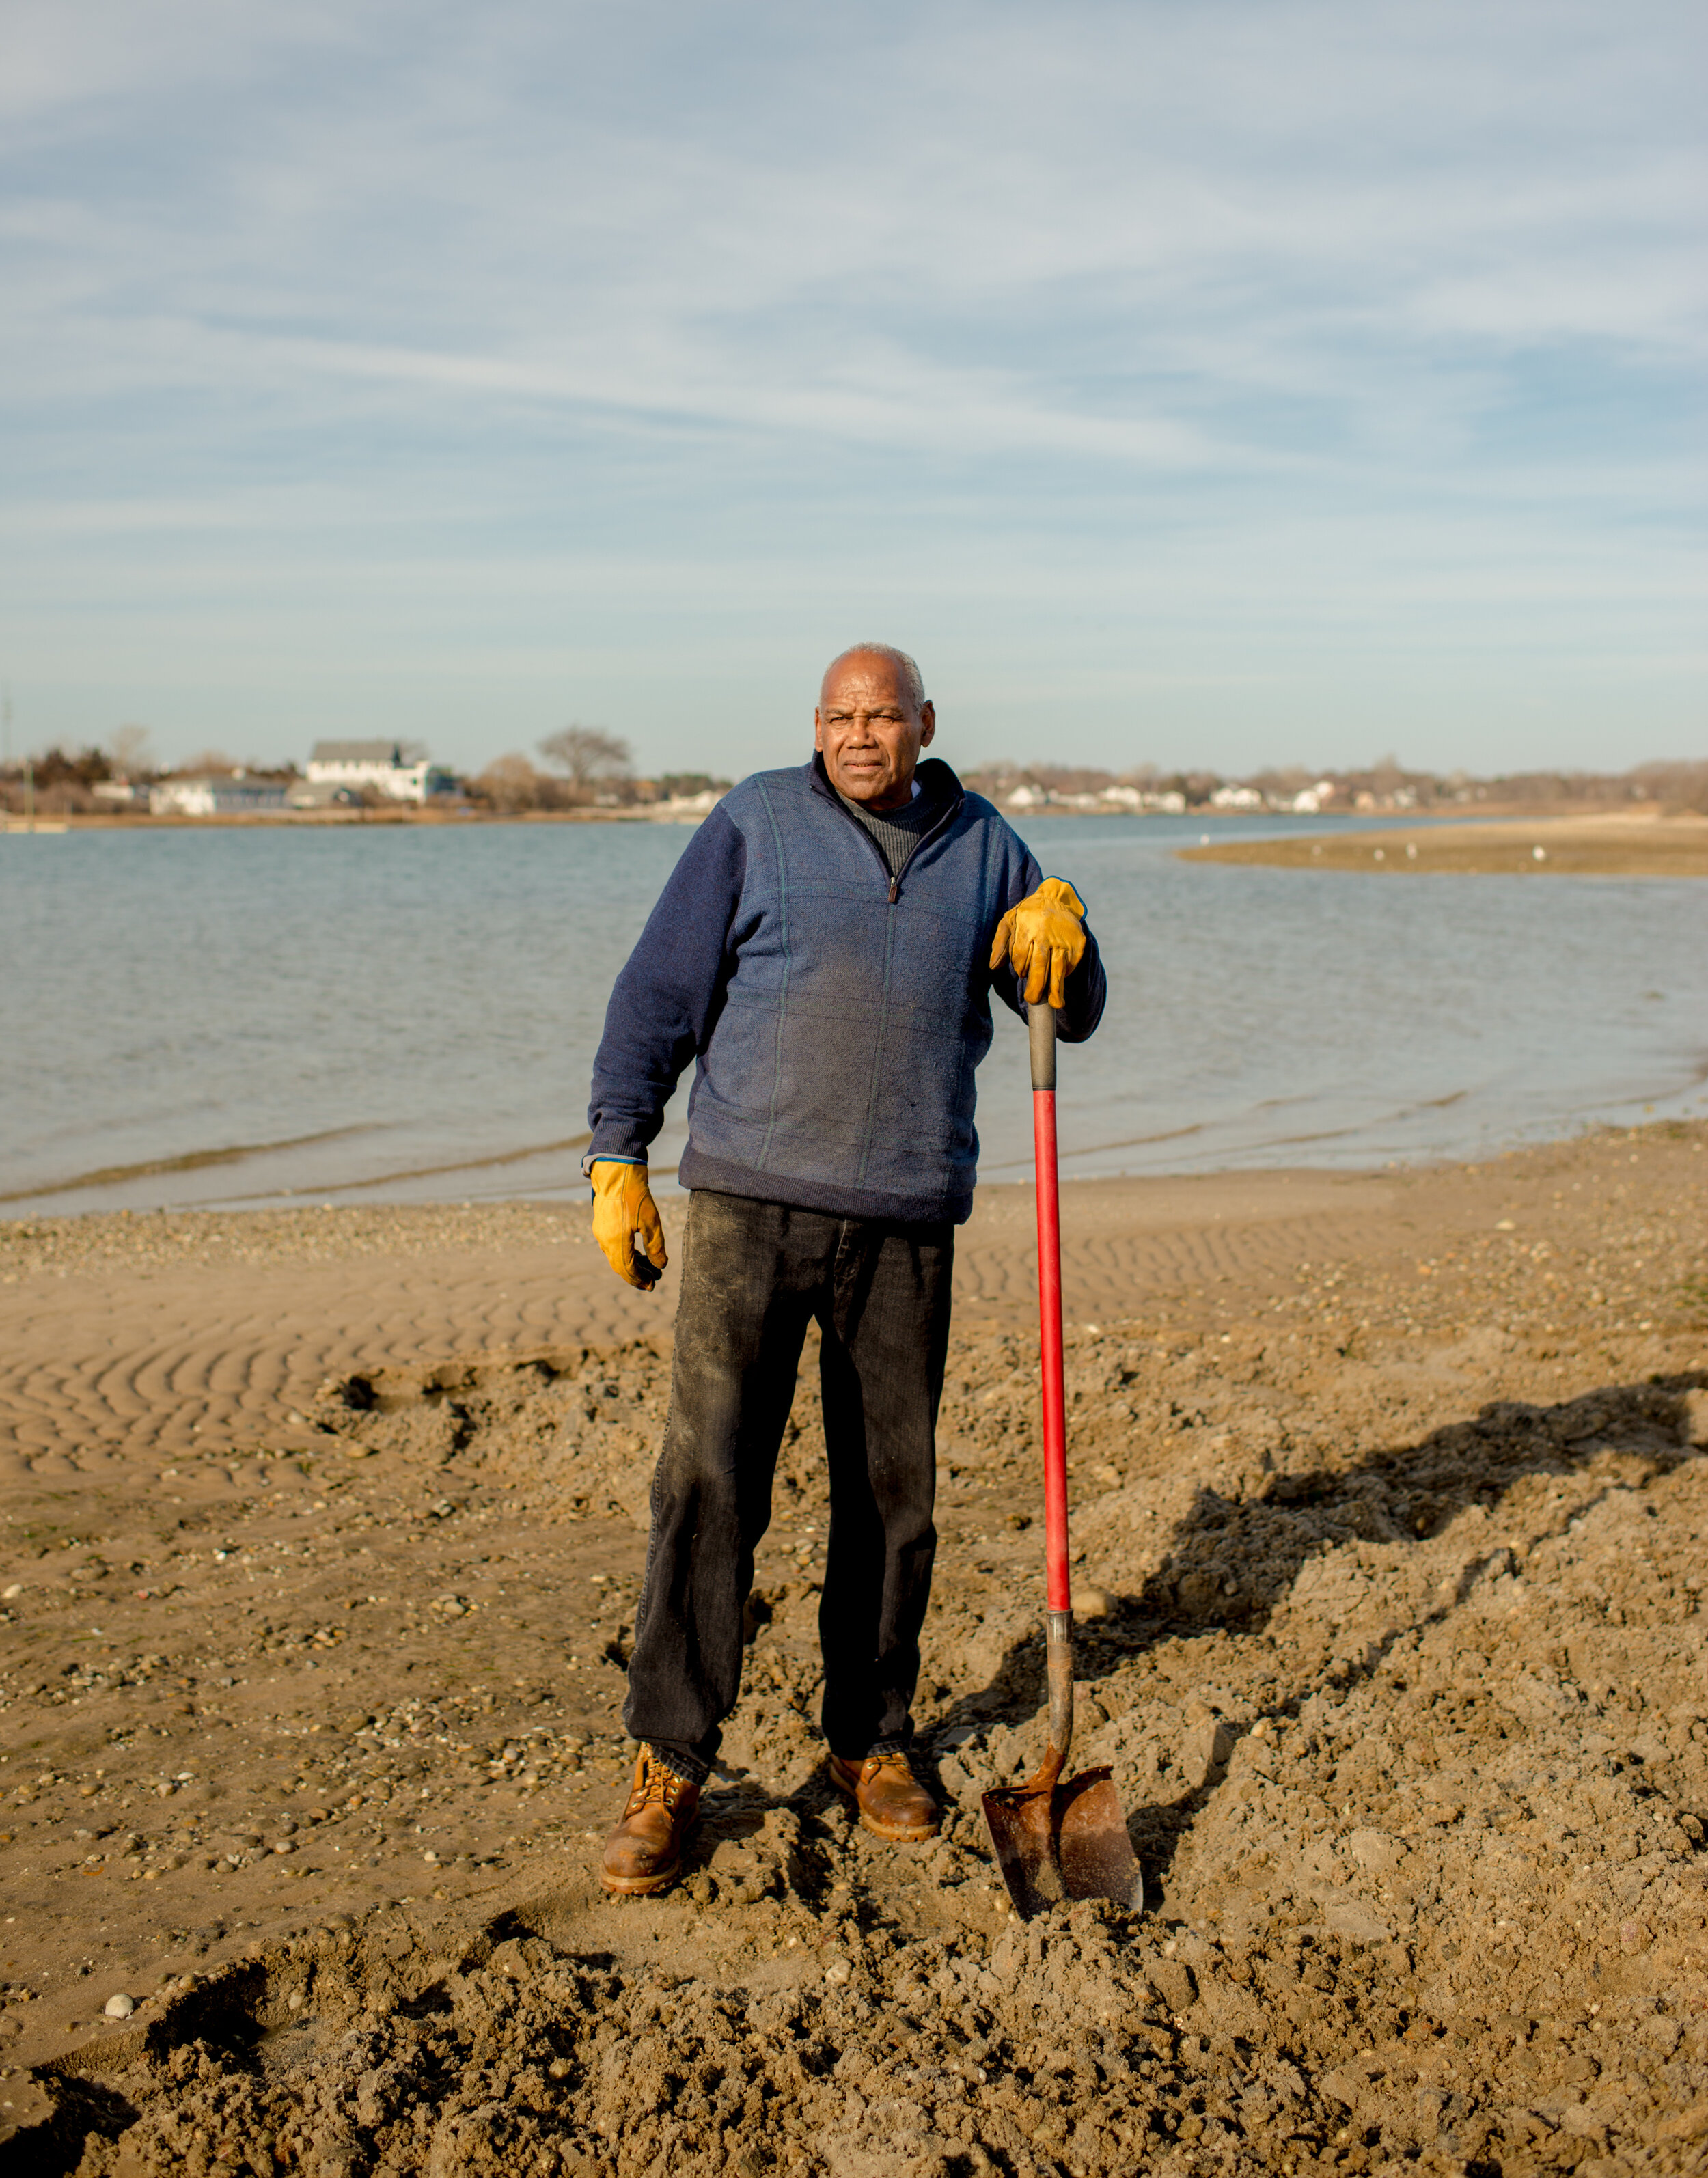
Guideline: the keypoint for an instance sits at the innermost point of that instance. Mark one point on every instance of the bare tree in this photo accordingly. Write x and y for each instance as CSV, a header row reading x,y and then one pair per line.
x,y
587,754
129,752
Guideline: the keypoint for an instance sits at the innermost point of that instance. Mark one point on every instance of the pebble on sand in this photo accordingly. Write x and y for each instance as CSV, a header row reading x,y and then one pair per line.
x,y
119,2005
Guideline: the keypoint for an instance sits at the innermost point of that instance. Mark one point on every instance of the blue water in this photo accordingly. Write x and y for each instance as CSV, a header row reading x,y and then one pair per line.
x,y
423,1001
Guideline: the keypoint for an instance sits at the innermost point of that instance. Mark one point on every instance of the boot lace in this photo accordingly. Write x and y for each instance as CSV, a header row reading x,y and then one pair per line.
x,y
655,1784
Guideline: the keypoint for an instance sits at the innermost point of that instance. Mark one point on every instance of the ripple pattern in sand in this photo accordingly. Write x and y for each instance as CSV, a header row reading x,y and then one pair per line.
x,y
109,1369
100,1378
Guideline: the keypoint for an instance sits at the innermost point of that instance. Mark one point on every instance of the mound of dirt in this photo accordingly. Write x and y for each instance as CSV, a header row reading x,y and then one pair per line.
x,y
379,2051
1391,1631
1414,1739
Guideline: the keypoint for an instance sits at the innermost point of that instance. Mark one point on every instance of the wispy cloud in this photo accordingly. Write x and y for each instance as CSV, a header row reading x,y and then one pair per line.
x,y
493,345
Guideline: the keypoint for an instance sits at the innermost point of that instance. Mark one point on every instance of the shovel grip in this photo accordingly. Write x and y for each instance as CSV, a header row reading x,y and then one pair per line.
x,y
1059,1674
1040,1028
1041,1021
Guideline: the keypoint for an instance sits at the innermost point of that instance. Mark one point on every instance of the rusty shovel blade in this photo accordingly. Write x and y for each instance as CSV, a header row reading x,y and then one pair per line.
x,y
1062,1838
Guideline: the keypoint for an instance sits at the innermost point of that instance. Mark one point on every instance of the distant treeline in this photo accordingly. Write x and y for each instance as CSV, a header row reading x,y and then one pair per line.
x,y
586,767
1385,785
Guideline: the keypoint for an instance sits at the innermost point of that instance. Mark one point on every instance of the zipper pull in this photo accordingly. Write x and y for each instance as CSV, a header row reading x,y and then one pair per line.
x,y
894,890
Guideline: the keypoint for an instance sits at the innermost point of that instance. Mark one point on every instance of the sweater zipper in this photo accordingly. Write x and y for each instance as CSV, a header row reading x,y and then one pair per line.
x,y
883,859
923,840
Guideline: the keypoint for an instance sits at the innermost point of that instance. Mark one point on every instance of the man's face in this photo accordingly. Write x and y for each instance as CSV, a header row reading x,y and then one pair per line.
x,y
869,732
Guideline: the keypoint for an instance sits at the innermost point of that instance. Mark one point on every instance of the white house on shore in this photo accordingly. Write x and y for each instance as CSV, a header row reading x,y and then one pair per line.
x,y
381,766
220,794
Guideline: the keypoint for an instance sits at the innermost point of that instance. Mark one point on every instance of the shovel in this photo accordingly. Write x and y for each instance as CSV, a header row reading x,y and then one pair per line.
x,y
1057,1838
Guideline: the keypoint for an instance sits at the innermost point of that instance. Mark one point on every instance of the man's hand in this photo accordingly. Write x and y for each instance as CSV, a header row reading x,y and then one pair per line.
x,y
1044,940
623,1206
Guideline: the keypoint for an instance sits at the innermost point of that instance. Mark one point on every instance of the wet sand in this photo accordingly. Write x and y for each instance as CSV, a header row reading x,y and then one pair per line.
x,y
323,1535
1637,847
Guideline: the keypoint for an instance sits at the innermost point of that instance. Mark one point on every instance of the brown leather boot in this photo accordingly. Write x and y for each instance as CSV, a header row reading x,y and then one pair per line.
x,y
645,1852
892,1802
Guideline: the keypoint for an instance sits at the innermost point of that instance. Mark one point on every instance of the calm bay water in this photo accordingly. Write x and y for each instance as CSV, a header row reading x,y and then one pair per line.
x,y
410,1014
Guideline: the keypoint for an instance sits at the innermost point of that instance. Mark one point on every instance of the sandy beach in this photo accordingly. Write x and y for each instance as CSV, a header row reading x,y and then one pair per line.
x,y
323,1533
1643,845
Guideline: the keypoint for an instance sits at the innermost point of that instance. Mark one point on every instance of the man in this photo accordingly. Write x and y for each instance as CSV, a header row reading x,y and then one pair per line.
x,y
824,952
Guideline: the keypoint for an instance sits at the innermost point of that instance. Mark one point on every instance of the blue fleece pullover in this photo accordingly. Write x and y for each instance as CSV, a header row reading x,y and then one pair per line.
x,y
835,1014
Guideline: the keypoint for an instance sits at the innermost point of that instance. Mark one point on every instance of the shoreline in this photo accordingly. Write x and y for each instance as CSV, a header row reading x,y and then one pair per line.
x,y
1359,1204
25,1204
1493,812
276,820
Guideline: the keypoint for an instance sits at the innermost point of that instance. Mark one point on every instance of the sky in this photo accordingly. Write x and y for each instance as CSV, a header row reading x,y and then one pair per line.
x,y
1227,384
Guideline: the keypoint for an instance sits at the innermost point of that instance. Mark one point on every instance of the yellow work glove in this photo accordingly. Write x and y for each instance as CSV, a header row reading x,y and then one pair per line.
x,y
1042,940
623,1206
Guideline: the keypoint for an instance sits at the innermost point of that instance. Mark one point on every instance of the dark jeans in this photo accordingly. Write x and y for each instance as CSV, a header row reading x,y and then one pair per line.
x,y
753,1274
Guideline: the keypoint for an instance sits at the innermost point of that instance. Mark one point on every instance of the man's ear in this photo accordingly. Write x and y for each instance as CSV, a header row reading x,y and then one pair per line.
x,y
927,723
819,730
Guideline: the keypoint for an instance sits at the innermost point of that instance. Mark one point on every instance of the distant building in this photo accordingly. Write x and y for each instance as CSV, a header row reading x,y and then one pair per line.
x,y
383,766
326,794
1236,797
691,805
220,794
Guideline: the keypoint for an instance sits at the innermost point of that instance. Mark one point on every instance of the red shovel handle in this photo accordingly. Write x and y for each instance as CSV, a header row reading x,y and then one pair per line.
x,y
1041,1023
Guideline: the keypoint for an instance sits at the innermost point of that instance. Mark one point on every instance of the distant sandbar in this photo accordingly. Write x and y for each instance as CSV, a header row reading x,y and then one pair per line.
x,y
1609,846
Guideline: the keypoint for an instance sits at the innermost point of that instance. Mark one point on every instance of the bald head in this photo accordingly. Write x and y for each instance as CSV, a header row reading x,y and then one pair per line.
x,y
872,721
907,673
